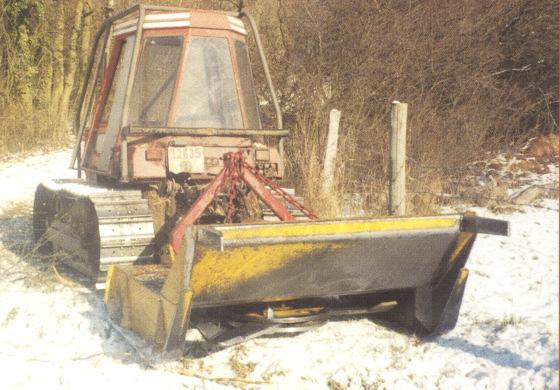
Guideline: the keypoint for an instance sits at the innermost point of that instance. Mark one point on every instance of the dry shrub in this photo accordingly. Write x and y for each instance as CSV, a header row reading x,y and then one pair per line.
x,y
24,130
305,153
544,149
304,159
451,61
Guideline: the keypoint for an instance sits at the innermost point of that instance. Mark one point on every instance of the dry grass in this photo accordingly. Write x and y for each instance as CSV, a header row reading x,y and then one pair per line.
x,y
15,209
239,366
509,320
26,260
304,162
500,324
12,314
37,270
24,131
334,385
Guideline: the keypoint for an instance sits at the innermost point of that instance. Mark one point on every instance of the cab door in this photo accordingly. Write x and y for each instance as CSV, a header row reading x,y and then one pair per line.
x,y
107,122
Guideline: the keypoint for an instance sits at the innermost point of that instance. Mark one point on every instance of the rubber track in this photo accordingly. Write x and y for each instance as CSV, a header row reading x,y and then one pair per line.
x,y
98,227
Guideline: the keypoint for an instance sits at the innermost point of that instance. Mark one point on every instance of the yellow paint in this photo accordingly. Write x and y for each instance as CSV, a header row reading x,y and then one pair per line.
x,y
167,255
463,276
463,240
187,299
290,230
108,281
173,283
216,271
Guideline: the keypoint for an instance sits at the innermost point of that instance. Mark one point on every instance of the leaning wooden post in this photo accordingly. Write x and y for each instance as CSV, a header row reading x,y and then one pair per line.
x,y
330,151
397,188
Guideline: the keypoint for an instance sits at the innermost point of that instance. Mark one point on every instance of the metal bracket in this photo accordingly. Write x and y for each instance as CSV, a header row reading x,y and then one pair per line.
x,y
235,166
473,224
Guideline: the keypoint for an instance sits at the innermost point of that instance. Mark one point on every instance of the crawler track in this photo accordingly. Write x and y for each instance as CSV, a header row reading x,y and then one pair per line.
x,y
93,227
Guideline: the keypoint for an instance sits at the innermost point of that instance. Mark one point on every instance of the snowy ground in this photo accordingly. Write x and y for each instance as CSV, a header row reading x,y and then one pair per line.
x,y
56,335
18,178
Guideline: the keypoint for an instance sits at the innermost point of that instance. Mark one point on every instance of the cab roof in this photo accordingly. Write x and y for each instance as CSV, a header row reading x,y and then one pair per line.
x,y
166,18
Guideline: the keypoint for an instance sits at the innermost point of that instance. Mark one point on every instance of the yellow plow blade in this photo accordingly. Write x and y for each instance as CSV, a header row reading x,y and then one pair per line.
x,y
421,258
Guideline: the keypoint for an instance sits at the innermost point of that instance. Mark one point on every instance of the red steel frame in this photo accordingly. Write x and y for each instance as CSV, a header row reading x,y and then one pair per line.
x,y
235,169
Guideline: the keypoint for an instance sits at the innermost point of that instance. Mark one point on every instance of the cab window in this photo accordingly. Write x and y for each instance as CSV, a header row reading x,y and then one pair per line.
x,y
155,80
208,97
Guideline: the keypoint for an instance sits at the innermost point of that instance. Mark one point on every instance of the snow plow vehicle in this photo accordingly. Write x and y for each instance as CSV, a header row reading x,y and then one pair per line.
x,y
180,216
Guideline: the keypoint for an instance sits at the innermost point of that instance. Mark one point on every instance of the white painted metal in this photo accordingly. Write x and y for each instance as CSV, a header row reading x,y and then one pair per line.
x,y
330,151
177,23
124,31
238,29
153,21
397,188
236,21
126,24
168,16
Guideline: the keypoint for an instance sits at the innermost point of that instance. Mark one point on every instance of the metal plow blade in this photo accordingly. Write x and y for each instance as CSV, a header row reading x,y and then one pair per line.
x,y
417,262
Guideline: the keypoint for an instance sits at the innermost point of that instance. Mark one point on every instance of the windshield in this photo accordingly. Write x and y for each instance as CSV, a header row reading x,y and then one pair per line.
x,y
208,94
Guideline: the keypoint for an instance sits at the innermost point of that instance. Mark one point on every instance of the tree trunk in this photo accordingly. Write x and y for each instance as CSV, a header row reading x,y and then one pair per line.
x,y
45,74
22,63
71,64
109,8
58,58
25,76
85,39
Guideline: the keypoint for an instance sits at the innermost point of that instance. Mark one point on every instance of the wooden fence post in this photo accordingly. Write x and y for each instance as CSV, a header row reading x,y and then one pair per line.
x,y
397,188
330,151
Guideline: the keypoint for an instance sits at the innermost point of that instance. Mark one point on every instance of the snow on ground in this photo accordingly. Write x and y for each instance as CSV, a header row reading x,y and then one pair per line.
x,y
57,335
18,179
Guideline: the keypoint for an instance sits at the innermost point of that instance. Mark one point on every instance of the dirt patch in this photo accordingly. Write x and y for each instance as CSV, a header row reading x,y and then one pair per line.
x,y
544,149
521,177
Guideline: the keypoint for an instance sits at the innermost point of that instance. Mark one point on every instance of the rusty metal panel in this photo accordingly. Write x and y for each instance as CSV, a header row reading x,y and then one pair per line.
x,y
142,167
